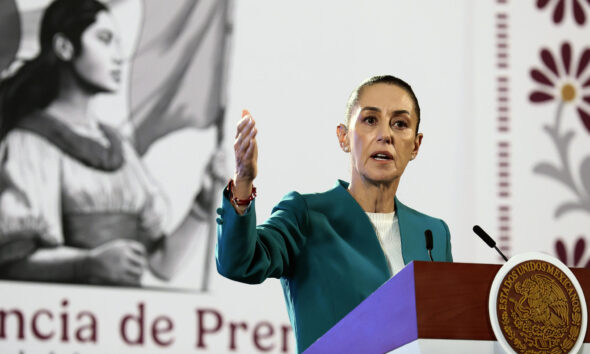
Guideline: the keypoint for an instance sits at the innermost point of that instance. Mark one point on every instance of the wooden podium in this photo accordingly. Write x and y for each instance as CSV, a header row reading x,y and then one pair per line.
x,y
428,307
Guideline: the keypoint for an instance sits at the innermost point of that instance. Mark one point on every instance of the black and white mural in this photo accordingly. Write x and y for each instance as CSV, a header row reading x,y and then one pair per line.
x,y
111,120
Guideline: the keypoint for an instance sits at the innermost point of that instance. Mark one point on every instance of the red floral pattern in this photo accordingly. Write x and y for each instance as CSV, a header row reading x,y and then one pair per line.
x,y
559,9
564,82
577,254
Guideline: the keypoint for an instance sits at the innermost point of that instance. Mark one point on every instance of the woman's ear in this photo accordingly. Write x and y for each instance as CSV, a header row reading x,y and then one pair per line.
x,y
342,133
63,47
417,143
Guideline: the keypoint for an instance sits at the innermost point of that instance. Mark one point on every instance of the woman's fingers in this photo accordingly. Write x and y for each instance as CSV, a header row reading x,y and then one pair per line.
x,y
134,269
242,124
248,140
137,248
248,145
245,134
245,147
249,153
240,147
246,123
245,140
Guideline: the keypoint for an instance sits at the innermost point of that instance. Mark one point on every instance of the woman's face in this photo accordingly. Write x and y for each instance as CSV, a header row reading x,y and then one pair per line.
x,y
99,61
382,134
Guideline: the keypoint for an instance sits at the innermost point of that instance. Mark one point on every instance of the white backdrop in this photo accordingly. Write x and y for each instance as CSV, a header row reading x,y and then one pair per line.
x,y
295,63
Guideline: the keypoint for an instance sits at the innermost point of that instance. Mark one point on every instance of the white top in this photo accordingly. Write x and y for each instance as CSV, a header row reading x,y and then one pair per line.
x,y
387,229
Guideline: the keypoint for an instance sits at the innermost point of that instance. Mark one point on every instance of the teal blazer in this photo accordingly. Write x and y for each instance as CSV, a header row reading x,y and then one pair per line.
x,y
325,251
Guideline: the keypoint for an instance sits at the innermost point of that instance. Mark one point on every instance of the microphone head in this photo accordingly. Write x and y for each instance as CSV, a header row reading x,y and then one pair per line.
x,y
484,236
428,236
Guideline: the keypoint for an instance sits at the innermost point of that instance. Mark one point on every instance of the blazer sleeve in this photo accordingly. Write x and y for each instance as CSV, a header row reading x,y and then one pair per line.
x,y
249,253
449,256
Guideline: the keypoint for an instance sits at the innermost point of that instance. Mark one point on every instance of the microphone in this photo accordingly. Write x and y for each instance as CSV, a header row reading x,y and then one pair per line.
x,y
487,239
428,235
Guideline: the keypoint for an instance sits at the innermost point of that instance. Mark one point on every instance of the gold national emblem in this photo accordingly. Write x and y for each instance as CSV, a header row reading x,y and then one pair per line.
x,y
539,309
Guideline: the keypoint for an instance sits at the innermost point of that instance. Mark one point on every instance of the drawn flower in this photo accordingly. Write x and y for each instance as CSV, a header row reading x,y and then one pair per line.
x,y
559,10
564,83
578,252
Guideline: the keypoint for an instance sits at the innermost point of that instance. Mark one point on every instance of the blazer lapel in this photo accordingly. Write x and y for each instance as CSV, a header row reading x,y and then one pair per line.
x,y
413,246
357,227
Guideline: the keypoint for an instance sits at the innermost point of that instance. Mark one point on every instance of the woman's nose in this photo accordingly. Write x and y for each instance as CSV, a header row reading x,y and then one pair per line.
x,y
117,53
385,139
385,136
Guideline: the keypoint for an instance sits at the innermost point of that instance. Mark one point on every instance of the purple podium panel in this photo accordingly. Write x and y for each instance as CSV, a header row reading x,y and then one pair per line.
x,y
382,322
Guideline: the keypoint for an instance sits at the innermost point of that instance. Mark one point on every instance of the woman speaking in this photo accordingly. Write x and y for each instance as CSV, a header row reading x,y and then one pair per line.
x,y
331,250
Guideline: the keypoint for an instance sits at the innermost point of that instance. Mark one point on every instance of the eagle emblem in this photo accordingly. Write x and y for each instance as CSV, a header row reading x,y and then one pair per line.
x,y
543,302
539,309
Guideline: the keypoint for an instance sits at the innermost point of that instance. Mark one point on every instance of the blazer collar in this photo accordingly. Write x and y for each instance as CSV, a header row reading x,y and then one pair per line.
x,y
402,212
357,227
405,222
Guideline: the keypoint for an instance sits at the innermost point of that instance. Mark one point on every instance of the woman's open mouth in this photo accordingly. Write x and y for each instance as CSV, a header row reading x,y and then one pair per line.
x,y
382,156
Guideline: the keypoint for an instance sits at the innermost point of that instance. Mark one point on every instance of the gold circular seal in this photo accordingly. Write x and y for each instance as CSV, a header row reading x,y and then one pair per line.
x,y
539,310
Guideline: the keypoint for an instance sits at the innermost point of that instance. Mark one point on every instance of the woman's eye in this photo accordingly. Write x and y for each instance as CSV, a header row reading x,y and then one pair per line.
x,y
105,37
370,120
400,124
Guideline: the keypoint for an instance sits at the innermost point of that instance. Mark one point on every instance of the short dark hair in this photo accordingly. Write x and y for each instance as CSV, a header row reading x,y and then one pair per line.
x,y
381,79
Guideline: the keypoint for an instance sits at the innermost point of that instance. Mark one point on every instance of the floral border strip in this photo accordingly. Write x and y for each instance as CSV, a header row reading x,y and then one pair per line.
x,y
503,146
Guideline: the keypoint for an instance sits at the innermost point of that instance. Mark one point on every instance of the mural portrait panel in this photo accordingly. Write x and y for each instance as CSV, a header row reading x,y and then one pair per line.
x,y
103,107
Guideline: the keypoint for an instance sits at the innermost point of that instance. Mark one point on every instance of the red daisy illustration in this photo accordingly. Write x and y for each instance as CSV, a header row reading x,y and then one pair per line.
x,y
564,83
577,254
559,9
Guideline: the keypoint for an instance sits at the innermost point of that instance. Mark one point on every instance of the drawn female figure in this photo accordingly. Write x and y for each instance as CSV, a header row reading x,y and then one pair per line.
x,y
76,203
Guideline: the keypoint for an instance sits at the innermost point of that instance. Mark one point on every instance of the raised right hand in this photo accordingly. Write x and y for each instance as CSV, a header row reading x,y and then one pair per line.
x,y
118,262
246,152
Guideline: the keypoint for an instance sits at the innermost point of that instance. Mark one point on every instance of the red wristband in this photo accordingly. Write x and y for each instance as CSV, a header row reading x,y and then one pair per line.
x,y
235,200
